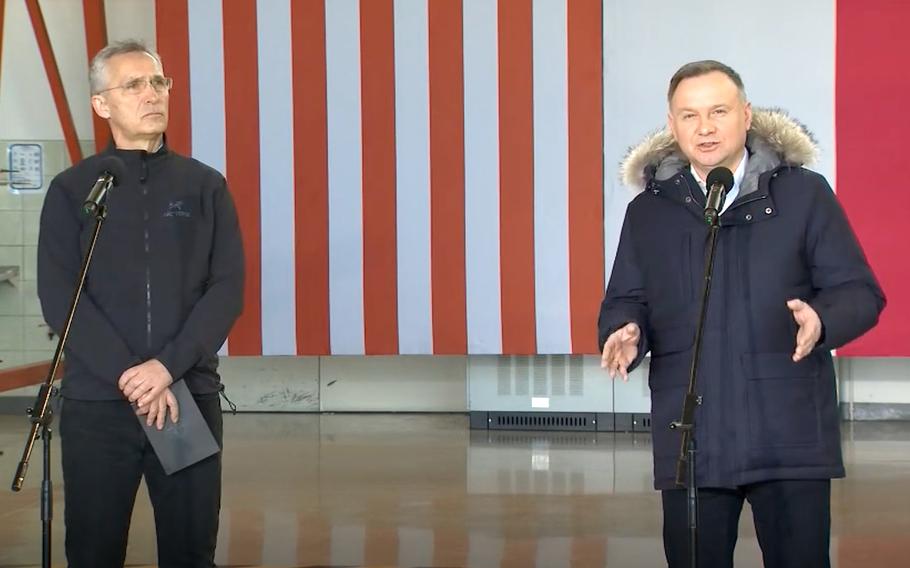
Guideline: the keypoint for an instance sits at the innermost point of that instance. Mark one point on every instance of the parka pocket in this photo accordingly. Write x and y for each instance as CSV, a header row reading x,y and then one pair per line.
x,y
670,356
668,379
781,397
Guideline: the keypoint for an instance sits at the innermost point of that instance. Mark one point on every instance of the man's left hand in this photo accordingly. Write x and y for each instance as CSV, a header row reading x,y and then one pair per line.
x,y
144,383
810,328
156,412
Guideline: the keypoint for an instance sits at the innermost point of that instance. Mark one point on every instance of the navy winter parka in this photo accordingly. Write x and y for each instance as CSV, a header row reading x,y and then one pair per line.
x,y
762,416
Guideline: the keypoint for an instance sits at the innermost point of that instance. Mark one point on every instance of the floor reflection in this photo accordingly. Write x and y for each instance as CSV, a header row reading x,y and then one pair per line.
x,y
423,490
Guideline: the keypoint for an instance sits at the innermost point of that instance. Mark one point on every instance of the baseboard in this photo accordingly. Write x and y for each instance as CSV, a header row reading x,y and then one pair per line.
x,y
874,411
560,421
16,404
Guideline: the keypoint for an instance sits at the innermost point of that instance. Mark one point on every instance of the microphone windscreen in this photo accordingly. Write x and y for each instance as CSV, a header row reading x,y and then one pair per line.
x,y
722,176
113,165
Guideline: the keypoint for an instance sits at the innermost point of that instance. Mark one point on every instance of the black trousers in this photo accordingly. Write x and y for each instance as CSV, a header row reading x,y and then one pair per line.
x,y
792,522
105,454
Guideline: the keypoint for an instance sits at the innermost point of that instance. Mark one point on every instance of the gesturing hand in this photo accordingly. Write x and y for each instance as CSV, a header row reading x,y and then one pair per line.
x,y
620,349
810,327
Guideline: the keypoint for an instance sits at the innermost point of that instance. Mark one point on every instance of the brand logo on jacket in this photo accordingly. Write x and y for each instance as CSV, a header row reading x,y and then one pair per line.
x,y
177,209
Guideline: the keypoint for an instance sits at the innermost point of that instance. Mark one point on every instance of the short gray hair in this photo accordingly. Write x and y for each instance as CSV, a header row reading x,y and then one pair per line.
x,y
97,70
699,68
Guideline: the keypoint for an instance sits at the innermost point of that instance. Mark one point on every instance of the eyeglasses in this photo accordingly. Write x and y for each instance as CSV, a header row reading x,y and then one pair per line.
x,y
137,86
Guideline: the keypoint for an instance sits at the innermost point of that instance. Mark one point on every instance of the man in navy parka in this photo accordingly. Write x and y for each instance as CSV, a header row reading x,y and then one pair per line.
x,y
790,283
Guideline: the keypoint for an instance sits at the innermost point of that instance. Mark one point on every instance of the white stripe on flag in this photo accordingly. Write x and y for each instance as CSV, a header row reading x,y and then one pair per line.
x,y
415,547
628,107
554,552
481,139
279,539
551,176
276,175
412,138
345,168
223,549
348,542
485,549
206,59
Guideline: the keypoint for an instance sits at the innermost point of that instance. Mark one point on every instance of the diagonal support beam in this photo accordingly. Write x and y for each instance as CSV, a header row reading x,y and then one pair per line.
x,y
95,40
56,82
2,13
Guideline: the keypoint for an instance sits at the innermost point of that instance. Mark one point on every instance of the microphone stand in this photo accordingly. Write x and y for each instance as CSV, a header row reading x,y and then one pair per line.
x,y
41,413
685,465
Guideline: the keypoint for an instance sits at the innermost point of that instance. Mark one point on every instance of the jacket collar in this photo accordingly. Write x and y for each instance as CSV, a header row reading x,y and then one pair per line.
x,y
162,151
774,140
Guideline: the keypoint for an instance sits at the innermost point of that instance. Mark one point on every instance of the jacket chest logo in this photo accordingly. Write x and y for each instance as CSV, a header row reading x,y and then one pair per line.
x,y
177,209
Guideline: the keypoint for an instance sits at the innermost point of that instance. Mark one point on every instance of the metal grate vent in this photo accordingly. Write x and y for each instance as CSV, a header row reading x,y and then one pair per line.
x,y
540,375
520,439
542,421
565,421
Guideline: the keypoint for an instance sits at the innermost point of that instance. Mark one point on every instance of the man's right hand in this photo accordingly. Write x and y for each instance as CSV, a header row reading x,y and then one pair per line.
x,y
620,350
157,409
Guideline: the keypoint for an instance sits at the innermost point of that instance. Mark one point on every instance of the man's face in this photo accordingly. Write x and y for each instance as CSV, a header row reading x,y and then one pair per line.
x,y
134,115
709,121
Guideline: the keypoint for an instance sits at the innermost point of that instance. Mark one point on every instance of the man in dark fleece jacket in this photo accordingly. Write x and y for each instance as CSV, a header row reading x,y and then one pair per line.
x,y
164,288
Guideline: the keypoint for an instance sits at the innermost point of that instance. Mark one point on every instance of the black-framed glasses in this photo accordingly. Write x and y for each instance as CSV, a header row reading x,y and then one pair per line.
x,y
136,86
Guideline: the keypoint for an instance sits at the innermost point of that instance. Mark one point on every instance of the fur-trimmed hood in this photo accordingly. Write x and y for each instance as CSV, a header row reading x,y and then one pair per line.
x,y
775,139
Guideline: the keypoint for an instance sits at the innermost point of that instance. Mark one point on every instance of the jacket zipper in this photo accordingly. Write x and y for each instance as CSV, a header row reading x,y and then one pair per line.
x,y
732,206
750,200
148,260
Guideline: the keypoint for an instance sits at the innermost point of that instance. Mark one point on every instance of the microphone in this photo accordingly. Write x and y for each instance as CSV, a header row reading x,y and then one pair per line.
x,y
719,182
112,169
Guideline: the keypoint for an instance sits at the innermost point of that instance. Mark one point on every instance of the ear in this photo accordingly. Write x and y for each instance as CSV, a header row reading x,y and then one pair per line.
x,y
99,105
671,126
748,112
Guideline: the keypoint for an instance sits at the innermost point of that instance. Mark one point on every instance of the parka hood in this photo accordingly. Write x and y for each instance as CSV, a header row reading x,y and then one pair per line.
x,y
774,139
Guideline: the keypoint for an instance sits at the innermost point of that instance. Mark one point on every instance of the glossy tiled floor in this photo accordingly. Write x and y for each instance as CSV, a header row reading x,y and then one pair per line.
x,y
423,490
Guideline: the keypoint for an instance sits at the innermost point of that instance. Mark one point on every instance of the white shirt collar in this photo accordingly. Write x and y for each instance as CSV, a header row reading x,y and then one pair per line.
x,y
738,176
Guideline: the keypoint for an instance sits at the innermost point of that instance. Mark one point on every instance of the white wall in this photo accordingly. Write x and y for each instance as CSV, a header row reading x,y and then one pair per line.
x,y
635,84
866,380
785,62
28,114
27,110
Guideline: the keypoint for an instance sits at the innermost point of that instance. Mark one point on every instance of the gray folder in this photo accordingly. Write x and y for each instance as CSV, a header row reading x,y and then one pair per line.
x,y
185,442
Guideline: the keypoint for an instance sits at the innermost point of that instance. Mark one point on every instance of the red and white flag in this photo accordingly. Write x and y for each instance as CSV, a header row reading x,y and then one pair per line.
x,y
429,177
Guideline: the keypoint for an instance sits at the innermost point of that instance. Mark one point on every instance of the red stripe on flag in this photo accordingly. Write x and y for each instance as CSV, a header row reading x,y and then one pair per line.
x,y
247,528
518,551
381,546
380,272
173,33
871,46
241,108
95,40
588,550
586,225
314,532
516,167
873,548
447,238
450,540
311,178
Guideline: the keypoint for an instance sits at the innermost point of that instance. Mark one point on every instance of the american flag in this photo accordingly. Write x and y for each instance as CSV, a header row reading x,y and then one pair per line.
x,y
428,176
412,177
